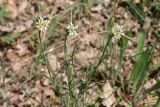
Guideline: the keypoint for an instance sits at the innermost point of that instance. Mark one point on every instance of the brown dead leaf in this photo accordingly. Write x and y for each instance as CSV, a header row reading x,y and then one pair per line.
x,y
48,94
45,82
21,62
14,99
86,57
8,28
28,24
11,56
149,84
22,49
108,95
92,95
89,39
63,3
17,62
20,28
23,4
54,64
12,8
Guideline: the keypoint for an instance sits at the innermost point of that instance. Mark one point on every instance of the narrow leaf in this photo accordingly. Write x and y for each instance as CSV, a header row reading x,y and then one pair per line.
x,y
141,40
136,12
139,74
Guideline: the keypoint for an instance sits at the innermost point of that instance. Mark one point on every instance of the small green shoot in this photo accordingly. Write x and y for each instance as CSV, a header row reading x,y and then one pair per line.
x,y
10,38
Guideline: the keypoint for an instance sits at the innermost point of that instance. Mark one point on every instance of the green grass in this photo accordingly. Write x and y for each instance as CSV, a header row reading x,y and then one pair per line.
x,y
132,88
139,14
139,74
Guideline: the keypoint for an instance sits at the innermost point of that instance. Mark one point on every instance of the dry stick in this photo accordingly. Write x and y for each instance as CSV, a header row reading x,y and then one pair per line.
x,y
34,99
26,81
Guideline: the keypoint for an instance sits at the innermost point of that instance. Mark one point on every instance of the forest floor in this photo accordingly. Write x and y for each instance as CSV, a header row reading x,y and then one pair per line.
x,y
23,73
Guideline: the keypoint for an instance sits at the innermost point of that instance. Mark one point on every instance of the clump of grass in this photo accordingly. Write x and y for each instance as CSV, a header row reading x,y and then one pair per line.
x,y
139,75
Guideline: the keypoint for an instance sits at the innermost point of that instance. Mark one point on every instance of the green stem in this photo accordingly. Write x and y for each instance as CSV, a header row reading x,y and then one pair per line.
x,y
46,59
101,58
66,67
95,68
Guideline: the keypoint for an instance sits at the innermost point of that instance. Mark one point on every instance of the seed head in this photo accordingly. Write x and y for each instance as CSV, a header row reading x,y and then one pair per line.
x,y
72,29
42,24
118,31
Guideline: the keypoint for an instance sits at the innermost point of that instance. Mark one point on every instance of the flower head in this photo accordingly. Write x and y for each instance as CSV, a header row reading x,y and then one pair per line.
x,y
118,31
72,29
42,24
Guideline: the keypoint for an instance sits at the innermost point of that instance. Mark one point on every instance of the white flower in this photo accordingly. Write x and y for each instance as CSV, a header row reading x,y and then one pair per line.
x,y
72,29
118,31
42,24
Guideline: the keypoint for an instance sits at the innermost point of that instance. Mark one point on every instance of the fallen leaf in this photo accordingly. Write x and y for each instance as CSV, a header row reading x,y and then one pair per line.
x,y
54,64
20,28
12,8
22,49
86,57
23,4
108,95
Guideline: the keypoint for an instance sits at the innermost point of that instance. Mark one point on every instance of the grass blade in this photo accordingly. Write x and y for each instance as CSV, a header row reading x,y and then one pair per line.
x,y
124,46
141,40
139,73
136,12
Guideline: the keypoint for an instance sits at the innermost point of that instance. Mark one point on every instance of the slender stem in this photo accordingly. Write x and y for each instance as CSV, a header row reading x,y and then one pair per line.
x,y
52,17
95,68
66,67
65,51
101,58
45,58
71,17
62,25
128,38
51,75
